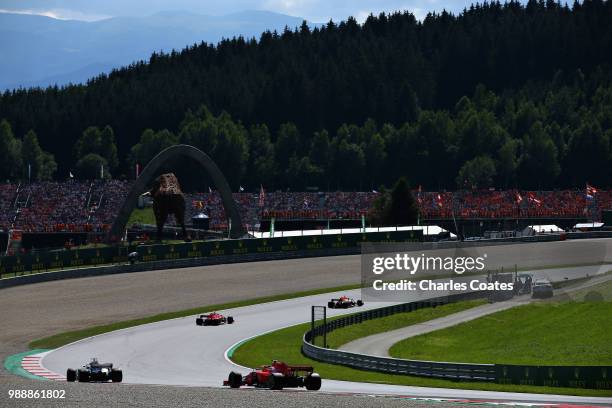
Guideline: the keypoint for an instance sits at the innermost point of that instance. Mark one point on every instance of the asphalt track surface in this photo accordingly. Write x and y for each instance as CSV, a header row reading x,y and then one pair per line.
x,y
44,309
177,352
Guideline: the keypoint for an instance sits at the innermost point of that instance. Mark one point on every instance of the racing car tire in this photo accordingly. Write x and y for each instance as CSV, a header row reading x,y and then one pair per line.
x,y
230,320
331,305
275,381
360,303
234,379
83,375
313,382
116,375
199,321
71,375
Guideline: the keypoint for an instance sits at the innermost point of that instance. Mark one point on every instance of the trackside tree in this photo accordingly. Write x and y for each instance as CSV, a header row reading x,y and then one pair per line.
x,y
23,159
395,207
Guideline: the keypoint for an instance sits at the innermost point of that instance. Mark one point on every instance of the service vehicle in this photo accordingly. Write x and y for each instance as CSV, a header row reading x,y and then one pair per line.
x,y
344,302
541,288
213,319
277,376
94,371
523,283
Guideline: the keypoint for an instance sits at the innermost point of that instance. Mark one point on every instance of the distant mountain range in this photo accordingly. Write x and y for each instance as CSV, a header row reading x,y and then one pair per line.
x,y
42,51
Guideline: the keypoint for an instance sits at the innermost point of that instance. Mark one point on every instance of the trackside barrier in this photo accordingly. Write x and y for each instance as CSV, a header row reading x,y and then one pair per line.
x,y
161,265
589,234
552,376
63,264
455,371
556,376
25,264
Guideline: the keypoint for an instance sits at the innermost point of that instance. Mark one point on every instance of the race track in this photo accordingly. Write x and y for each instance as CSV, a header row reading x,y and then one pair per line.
x,y
177,352
194,355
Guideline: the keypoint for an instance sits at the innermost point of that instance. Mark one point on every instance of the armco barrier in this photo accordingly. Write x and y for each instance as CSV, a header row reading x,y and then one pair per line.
x,y
555,376
90,262
552,376
66,259
93,257
482,372
455,371
160,265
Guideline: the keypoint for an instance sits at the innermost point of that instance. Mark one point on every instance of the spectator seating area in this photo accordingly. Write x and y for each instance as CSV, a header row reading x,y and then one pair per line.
x,y
77,206
70,206
513,204
282,205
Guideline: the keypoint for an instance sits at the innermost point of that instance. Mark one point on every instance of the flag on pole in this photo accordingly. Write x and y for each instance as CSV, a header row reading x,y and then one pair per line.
x,y
262,195
519,198
531,197
590,191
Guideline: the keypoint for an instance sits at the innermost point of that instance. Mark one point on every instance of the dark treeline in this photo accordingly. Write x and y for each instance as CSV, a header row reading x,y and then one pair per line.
x,y
541,117
564,127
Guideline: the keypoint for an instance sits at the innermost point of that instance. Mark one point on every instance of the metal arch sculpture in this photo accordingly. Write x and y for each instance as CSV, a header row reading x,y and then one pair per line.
x,y
150,172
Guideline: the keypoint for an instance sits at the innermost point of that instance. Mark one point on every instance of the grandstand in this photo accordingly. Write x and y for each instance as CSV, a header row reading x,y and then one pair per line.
x,y
75,206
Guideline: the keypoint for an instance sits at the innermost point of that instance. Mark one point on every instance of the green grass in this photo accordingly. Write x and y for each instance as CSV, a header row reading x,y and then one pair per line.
x,y
64,338
142,216
344,335
598,292
285,344
549,333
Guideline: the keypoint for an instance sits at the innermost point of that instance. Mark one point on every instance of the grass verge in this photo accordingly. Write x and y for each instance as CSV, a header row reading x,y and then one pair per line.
x,y
61,339
285,344
344,335
142,216
595,293
548,333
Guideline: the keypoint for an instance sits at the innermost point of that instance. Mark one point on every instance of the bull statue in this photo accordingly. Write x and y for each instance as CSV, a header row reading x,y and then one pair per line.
x,y
168,199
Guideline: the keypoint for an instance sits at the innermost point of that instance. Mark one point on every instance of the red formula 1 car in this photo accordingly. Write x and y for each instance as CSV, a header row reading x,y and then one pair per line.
x,y
276,377
213,319
344,302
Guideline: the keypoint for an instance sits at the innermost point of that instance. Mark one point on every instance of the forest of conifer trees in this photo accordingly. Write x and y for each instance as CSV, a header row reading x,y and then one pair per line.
x,y
500,95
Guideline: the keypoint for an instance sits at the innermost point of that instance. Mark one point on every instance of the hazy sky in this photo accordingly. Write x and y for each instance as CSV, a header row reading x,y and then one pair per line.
x,y
312,10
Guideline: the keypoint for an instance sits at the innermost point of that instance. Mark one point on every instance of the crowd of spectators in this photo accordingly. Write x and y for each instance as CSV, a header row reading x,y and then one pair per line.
x,y
513,204
7,194
106,200
282,205
71,206
92,206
